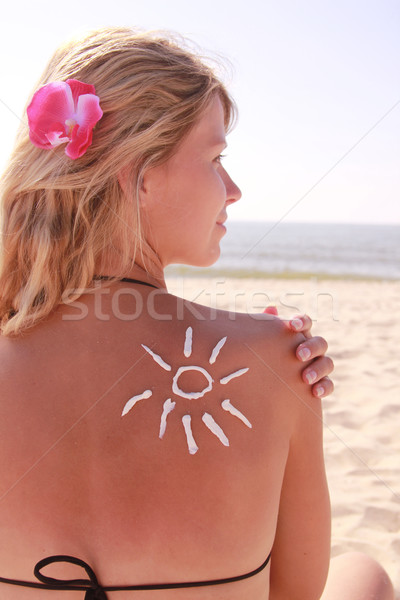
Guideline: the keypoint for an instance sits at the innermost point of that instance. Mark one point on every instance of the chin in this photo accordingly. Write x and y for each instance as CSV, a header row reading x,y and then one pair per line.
x,y
206,259
209,260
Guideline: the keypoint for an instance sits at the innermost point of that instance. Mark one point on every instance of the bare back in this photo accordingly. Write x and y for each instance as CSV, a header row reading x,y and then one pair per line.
x,y
151,491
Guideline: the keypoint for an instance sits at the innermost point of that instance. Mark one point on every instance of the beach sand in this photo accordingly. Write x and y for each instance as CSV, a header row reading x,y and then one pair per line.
x,y
360,320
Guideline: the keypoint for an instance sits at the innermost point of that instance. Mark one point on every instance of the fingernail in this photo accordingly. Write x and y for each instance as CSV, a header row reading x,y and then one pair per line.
x,y
271,310
304,353
320,391
311,377
297,324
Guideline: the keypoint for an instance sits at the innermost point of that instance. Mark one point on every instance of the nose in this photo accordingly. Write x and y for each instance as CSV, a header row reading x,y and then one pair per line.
x,y
233,193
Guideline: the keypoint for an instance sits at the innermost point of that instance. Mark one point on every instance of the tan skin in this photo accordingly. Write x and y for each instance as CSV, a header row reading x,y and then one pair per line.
x,y
80,479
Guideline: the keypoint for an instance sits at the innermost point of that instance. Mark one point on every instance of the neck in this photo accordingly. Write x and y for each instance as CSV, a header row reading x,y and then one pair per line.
x,y
144,269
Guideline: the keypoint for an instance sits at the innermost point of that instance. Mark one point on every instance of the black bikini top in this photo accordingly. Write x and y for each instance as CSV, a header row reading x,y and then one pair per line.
x,y
95,591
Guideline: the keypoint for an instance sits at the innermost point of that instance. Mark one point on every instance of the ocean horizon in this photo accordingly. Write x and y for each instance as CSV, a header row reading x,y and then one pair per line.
x,y
304,250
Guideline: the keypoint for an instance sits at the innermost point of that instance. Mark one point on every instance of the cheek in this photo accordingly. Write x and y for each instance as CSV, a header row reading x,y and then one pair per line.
x,y
195,196
210,187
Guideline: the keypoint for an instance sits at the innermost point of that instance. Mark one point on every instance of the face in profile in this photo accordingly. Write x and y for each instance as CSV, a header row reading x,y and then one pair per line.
x,y
184,201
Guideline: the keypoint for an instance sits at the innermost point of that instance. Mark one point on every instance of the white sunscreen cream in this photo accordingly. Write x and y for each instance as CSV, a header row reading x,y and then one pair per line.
x,y
191,395
215,352
187,351
169,405
228,378
226,405
193,447
131,403
167,408
215,428
157,358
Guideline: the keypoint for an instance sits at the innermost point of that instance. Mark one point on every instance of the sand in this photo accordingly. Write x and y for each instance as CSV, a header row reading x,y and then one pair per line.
x,y
360,320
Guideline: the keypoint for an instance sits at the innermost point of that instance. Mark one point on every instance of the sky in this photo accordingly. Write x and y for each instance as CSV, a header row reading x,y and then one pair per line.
x,y
317,85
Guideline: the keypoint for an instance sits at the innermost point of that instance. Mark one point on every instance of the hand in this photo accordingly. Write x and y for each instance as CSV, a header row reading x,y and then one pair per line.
x,y
314,348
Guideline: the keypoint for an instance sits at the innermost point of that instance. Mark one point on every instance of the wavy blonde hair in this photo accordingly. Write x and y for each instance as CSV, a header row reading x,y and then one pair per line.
x,y
60,216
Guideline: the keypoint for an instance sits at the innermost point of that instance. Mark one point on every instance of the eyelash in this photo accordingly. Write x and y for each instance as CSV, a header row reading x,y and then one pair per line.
x,y
220,158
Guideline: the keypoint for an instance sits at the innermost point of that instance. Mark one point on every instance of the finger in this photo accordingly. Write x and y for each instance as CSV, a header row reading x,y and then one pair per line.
x,y
317,370
301,323
271,310
323,388
311,348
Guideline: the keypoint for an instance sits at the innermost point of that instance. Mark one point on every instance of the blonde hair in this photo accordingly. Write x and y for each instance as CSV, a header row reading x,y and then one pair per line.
x,y
59,216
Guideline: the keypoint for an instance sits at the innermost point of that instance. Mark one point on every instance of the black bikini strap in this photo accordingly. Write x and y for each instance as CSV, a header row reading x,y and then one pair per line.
x,y
187,584
127,280
94,591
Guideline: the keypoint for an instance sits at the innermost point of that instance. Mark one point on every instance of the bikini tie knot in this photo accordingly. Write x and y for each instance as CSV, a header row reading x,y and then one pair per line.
x,y
98,594
94,590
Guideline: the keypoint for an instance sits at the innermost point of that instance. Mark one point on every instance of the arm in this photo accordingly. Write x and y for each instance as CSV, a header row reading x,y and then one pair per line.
x,y
300,555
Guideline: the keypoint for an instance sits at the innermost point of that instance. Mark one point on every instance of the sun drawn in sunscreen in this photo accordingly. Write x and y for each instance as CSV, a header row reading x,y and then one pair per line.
x,y
169,406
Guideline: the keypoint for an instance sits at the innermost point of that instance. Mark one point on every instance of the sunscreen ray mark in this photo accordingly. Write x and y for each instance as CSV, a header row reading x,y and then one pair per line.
x,y
215,352
167,408
192,446
215,428
226,405
187,351
157,358
131,403
231,376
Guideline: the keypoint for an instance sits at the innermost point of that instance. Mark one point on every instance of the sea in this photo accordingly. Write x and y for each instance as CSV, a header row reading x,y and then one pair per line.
x,y
305,250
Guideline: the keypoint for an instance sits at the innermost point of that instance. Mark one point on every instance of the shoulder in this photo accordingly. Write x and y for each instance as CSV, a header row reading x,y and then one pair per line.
x,y
35,360
263,340
262,334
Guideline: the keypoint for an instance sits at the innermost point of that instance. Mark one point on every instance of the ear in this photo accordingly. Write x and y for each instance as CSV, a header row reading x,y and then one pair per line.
x,y
124,180
143,191
150,186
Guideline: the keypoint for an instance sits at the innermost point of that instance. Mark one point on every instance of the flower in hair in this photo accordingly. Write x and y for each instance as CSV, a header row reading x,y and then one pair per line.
x,y
64,112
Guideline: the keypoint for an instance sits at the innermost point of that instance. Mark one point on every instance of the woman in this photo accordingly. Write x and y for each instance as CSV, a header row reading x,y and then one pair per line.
x,y
162,443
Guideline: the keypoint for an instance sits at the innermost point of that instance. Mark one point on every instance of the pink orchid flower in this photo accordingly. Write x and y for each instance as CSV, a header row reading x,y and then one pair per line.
x,y
64,112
